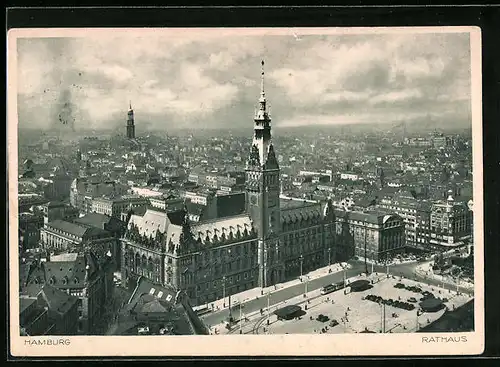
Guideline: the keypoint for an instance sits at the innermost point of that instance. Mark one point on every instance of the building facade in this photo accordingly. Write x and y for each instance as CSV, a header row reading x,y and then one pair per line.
x,y
115,206
371,235
450,224
87,275
60,236
29,230
416,216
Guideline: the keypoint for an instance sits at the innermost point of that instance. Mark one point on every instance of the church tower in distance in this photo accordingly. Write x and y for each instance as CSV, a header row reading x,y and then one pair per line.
x,y
130,123
262,176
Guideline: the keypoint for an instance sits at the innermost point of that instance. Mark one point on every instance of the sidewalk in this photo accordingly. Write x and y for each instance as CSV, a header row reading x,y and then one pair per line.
x,y
255,293
425,270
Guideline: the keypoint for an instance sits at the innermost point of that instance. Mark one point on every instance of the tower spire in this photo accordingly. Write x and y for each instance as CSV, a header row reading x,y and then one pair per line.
x,y
130,105
262,93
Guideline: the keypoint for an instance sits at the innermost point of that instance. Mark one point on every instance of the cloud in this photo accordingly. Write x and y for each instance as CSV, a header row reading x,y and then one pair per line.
x,y
183,80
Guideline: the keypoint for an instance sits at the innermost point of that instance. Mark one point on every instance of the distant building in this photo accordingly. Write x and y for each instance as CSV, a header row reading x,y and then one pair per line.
x,y
371,235
56,186
167,203
29,229
351,176
114,206
130,123
214,181
54,210
450,224
416,216
84,190
418,142
27,201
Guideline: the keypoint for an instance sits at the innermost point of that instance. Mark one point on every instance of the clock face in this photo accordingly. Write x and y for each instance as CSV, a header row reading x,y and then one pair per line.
x,y
253,200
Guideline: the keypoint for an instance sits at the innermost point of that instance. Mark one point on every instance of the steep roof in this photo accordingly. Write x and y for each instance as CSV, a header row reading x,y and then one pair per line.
x,y
66,271
57,300
229,226
72,228
146,291
296,210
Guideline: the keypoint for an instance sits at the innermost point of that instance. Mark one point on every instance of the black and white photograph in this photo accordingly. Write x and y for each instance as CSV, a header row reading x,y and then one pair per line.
x,y
302,183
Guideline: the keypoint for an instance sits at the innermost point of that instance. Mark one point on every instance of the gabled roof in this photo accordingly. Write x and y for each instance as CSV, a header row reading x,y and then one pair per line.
x,y
146,291
57,300
65,271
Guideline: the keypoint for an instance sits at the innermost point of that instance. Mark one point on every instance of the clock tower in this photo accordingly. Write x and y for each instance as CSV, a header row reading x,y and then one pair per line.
x,y
262,178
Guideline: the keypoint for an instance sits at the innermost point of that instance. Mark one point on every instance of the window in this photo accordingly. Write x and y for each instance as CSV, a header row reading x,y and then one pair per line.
x,y
152,291
160,294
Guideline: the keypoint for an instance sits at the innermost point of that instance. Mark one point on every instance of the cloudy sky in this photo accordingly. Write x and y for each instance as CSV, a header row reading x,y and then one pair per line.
x,y
175,80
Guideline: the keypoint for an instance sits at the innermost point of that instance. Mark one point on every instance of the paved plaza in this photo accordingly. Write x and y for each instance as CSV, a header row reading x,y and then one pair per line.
x,y
351,310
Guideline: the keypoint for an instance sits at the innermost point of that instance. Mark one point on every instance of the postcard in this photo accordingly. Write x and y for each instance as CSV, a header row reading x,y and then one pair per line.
x,y
245,192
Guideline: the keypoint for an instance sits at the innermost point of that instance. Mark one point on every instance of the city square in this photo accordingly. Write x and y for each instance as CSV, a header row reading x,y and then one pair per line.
x,y
352,313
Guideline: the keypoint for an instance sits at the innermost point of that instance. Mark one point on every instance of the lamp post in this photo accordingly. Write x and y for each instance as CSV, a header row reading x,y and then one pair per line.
x,y
307,281
241,326
268,305
382,321
224,291
301,258
329,258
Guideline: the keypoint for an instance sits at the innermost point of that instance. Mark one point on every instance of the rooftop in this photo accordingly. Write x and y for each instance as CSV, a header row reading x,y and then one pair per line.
x,y
68,227
295,203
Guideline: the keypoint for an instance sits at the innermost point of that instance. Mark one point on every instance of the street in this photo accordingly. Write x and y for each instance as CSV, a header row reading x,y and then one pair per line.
x,y
405,270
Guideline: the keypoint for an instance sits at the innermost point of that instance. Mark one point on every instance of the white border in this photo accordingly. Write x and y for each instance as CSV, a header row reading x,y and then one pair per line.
x,y
247,345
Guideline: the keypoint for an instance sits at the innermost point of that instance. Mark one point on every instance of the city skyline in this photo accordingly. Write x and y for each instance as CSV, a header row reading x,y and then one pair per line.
x,y
213,82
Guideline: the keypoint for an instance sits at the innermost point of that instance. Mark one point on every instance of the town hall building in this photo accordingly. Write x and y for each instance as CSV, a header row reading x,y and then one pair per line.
x,y
275,240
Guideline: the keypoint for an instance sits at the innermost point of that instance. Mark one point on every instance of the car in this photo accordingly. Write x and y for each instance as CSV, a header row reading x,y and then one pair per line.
x,y
334,323
412,299
322,318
